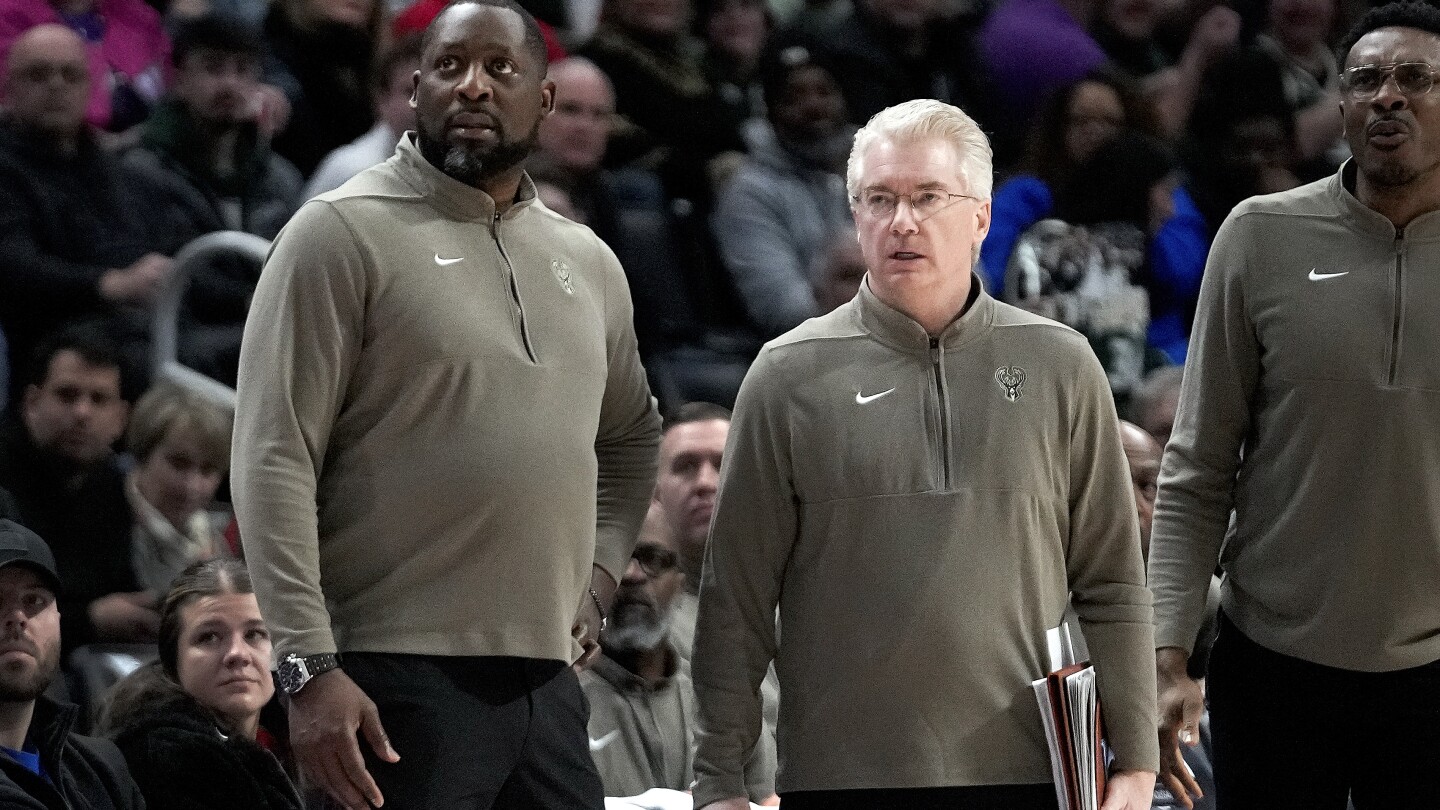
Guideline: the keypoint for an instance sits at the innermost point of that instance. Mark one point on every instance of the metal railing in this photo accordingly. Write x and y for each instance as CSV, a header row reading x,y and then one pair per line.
x,y
165,323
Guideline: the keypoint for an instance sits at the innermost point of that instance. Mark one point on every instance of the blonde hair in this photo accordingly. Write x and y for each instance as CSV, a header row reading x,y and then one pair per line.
x,y
922,119
168,407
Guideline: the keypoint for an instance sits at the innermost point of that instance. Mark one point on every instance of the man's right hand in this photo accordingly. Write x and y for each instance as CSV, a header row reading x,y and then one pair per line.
x,y
324,718
125,617
729,804
140,283
1182,703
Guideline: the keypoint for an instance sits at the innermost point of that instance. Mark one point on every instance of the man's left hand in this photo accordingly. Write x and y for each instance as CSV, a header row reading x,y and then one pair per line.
x,y
1129,790
586,629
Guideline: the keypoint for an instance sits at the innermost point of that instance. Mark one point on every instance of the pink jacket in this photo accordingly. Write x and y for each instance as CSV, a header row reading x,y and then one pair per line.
x,y
134,49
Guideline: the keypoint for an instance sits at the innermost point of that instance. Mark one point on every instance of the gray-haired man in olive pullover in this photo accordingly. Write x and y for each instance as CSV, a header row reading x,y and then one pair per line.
x,y
1311,407
919,479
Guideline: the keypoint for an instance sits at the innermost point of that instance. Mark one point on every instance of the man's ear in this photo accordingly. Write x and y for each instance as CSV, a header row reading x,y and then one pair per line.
x,y
982,219
547,97
415,90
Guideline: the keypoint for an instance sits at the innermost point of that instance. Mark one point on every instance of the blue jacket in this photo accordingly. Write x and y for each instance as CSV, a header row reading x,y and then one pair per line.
x,y
1177,256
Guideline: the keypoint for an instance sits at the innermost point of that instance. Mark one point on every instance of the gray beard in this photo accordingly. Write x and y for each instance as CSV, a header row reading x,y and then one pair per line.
x,y
636,630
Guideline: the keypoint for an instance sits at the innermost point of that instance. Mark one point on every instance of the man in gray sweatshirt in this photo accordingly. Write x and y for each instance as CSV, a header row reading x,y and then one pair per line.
x,y
1311,409
921,480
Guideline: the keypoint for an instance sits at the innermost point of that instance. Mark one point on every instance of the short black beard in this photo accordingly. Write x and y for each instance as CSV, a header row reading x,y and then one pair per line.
x,y
13,691
475,167
1390,175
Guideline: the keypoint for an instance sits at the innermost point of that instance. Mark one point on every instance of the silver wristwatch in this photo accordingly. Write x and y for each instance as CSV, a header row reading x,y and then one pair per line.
x,y
294,671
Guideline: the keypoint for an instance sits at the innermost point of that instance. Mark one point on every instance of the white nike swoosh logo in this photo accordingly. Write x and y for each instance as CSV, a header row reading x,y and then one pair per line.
x,y
1316,276
861,399
596,745
447,262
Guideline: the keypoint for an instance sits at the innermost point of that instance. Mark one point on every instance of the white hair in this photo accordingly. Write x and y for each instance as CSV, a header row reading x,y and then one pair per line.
x,y
922,119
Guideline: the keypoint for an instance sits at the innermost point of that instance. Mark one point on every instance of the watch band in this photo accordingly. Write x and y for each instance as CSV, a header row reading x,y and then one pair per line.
x,y
295,671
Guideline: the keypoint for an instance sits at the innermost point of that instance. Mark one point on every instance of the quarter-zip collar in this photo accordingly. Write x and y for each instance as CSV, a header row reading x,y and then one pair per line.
x,y
1370,222
899,331
451,197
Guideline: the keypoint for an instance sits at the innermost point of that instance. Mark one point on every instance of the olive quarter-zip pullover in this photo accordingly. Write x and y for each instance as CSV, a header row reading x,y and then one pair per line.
x,y
1311,405
919,510
442,421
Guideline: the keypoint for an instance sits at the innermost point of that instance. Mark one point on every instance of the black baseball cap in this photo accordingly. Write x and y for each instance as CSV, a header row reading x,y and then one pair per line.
x,y
20,546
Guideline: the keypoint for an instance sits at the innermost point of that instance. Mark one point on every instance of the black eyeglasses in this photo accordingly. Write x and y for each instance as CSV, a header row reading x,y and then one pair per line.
x,y
1412,78
655,560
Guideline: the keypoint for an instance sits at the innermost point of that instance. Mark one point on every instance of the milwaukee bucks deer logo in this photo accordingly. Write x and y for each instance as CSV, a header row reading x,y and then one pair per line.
x,y
1010,378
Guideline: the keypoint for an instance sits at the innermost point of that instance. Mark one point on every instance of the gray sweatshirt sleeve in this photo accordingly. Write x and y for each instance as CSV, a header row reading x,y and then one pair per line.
x,y
627,442
1107,574
301,343
750,540
768,268
1197,475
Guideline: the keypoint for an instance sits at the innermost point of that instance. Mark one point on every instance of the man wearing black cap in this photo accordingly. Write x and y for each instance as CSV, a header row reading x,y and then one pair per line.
x,y
43,764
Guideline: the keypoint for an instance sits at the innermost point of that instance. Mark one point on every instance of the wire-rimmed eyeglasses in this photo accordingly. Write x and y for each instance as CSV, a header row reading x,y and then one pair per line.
x,y
1363,82
924,204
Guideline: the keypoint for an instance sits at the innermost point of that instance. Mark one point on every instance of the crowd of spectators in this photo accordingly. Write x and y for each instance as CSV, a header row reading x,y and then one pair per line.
x,y
704,141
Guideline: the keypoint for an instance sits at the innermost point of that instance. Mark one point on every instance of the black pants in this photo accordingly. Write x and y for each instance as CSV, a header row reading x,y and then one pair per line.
x,y
479,733
986,797
1289,733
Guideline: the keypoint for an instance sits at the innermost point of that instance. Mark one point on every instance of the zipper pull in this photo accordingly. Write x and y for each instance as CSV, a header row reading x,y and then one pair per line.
x,y
935,350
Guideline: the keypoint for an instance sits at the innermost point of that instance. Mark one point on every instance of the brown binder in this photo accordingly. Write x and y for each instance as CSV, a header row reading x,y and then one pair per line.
x,y
1079,767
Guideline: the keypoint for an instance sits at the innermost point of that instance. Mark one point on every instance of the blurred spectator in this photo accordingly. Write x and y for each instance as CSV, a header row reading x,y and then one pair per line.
x,y
691,452
203,145
1153,406
556,189
788,198
77,232
642,707
1034,49
1242,137
1142,452
661,88
627,208
126,52
207,153
1072,125
43,763
735,34
1090,268
884,52
394,83
837,273
56,459
189,724
1126,29
321,53
181,445
1298,38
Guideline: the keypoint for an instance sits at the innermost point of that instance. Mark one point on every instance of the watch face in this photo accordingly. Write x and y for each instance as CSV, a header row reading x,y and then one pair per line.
x,y
291,675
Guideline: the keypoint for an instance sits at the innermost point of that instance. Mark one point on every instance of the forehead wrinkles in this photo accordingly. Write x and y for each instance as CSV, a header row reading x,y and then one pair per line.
x,y
477,28
1386,45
